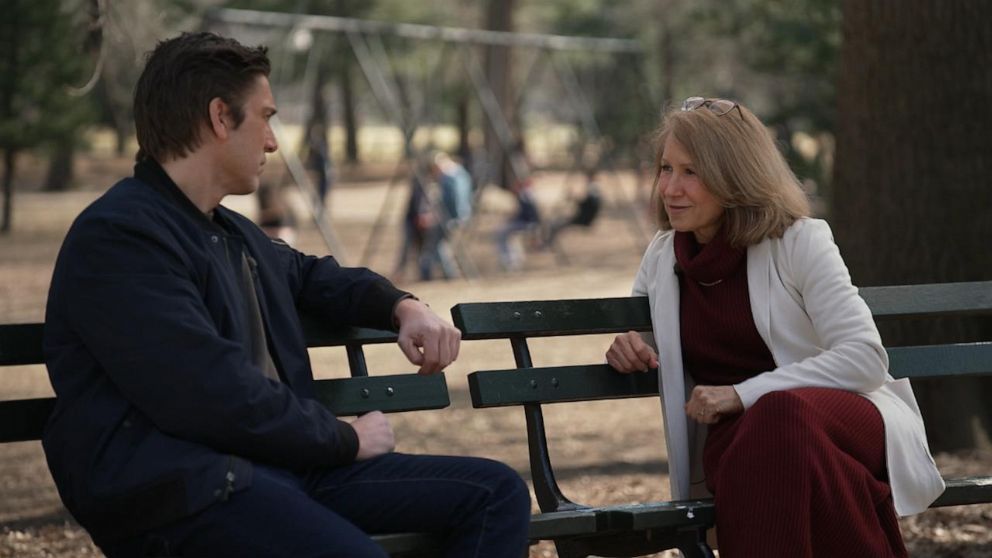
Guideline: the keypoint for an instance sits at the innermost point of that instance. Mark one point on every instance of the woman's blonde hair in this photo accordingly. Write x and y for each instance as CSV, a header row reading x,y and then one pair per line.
x,y
735,156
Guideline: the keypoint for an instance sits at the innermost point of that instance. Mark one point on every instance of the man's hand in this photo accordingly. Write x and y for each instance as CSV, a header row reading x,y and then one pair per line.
x,y
425,339
629,353
708,404
375,435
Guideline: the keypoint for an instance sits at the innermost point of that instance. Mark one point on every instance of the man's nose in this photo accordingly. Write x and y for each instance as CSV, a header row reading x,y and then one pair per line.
x,y
271,145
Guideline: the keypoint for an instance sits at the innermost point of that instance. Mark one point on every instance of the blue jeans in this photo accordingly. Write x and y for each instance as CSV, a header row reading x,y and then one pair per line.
x,y
437,250
480,507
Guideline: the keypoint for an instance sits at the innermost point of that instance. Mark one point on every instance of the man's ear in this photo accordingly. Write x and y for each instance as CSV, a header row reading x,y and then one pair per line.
x,y
220,118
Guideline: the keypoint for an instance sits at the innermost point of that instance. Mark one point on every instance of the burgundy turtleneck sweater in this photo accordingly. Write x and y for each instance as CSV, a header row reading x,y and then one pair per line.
x,y
720,343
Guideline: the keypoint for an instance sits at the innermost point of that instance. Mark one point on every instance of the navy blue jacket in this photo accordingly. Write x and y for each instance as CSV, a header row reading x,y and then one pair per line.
x,y
159,410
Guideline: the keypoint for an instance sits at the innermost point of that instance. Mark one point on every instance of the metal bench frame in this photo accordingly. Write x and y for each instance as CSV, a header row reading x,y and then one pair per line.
x,y
635,529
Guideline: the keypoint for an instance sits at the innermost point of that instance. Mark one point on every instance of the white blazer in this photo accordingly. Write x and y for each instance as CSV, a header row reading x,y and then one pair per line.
x,y
820,333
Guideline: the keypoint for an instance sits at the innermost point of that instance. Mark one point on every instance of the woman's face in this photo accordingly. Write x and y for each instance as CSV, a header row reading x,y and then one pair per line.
x,y
688,202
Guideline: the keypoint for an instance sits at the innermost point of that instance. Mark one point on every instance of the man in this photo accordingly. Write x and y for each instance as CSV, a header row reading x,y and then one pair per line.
x,y
185,422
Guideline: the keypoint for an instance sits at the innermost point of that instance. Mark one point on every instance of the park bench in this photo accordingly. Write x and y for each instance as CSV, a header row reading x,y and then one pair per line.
x,y
637,529
23,420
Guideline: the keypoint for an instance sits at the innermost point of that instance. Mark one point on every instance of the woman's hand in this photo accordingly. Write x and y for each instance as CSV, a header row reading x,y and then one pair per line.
x,y
629,353
708,404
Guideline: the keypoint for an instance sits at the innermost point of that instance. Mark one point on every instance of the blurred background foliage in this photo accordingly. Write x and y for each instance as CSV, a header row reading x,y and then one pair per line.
x,y
777,56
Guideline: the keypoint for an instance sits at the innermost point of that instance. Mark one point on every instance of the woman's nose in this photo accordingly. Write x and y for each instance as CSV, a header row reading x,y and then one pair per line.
x,y
672,187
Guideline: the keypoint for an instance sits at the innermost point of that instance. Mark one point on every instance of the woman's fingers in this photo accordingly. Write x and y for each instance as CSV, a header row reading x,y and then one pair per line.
x,y
629,353
708,404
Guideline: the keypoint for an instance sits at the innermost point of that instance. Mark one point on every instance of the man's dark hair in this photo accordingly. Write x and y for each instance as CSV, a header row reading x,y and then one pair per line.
x,y
181,77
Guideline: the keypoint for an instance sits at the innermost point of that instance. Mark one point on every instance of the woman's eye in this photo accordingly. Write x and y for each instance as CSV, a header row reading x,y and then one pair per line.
x,y
666,168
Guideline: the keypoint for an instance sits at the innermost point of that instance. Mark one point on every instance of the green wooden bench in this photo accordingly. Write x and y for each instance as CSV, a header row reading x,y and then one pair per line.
x,y
23,420
636,529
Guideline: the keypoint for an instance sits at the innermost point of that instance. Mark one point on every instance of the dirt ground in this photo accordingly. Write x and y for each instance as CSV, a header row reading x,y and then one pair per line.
x,y
604,452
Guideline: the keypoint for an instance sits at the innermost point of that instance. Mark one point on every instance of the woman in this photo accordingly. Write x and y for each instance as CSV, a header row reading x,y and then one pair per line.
x,y
776,395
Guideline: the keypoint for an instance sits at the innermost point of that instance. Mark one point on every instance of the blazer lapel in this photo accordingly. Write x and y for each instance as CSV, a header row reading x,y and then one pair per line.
x,y
665,314
759,270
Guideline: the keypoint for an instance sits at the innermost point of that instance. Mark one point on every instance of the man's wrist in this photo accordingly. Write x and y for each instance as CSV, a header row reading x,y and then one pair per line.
x,y
396,308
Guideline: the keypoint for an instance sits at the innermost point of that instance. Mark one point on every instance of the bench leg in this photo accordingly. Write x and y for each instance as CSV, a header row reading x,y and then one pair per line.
x,y
693,544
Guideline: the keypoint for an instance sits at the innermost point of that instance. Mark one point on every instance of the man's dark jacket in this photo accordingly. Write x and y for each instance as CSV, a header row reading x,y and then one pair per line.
x,y
160,411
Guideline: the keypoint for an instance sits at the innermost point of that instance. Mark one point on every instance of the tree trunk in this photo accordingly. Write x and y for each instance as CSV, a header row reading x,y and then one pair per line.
x,y
12,32
911,193
499,17
121,135
111,112
464,127
343,66
403,98
318,105
9,160
348,111
60,167
666,45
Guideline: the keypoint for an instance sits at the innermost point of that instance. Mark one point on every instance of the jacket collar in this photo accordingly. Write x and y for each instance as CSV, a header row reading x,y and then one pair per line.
x,y
150,172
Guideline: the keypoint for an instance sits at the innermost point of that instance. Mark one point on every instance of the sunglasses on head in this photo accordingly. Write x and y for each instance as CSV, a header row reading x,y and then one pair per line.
x,y
718,107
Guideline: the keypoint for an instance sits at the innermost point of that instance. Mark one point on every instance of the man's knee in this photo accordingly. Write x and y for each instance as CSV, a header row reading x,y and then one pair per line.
x,y
507,490
517,493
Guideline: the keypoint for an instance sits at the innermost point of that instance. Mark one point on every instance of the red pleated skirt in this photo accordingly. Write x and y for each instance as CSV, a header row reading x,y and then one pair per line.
x,y
802,474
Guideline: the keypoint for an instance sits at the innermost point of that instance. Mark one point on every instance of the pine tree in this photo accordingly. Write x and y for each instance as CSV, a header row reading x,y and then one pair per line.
x,y
39,61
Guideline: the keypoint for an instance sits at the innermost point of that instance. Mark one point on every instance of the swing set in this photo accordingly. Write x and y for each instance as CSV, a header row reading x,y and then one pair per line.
x,y
448,56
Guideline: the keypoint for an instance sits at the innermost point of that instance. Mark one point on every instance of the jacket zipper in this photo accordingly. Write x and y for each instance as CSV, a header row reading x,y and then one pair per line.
x,y
229,479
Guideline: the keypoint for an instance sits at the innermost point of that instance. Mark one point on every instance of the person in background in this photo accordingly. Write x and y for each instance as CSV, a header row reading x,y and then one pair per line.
x,y
456,189
274,215
452,208
585,212
775,387
186,420
418,220
319,163
527,217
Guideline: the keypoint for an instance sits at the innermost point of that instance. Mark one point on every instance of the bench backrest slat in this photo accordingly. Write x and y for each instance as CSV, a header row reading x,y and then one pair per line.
x,y
24,419
21,344
389,394
930,300
934,361
593,382
557,384
545,318
318,334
